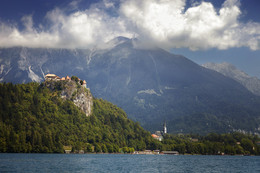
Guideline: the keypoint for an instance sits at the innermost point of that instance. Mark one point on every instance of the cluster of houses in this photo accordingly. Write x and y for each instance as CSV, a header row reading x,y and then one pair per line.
x,y
54,77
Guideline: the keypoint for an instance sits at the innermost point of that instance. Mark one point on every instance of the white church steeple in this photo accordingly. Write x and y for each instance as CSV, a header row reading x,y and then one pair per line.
x,y
164,128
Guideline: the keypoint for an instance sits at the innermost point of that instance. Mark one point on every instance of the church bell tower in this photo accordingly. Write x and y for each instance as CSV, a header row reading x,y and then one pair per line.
x,y
164,128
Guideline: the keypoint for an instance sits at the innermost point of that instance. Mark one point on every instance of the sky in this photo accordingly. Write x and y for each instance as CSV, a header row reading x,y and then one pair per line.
x,y
203,31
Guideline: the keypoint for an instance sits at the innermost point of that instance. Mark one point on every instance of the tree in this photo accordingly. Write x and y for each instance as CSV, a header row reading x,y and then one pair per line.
x,y
230,150
104,148
97,148
247,145
181,148
3,145
75,78
110,148
88,148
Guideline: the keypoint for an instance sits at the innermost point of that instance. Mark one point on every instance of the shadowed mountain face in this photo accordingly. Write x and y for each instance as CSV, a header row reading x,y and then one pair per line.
x,y
229,70
151,85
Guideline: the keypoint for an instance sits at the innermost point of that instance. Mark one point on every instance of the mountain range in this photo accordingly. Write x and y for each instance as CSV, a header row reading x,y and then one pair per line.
x,y
149,83
229,70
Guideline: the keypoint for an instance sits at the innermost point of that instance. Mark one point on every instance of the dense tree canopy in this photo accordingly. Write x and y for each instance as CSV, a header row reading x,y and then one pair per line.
x,y
34,118
213,144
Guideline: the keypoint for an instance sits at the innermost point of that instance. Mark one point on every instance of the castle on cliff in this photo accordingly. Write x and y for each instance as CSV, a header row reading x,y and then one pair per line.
x,y
53,77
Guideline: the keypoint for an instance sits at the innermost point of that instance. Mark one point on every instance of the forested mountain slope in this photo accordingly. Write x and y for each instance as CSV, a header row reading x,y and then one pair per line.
x,y
34,118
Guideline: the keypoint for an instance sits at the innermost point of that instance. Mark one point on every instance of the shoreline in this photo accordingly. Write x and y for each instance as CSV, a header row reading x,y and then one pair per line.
x,y
186,154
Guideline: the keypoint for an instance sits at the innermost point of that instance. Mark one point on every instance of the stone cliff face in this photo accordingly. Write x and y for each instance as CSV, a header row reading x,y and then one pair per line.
x,y
84,102
74,91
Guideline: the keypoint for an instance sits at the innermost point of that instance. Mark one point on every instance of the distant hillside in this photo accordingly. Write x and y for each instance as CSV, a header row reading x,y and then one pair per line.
x,y
229,70
150,84
34,118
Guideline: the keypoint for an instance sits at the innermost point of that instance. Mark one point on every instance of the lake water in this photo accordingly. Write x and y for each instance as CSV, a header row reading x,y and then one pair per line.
x,y
127,163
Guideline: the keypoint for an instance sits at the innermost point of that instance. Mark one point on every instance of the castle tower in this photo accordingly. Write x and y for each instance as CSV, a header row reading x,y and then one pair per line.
x,y
84,84
164,128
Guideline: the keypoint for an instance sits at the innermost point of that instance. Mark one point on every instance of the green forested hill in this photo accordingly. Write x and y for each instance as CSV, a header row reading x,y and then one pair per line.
x,y
34,118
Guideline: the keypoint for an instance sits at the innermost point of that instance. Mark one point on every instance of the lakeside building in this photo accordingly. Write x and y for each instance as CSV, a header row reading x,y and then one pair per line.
x,y
156,152
67,151
170,152
145,152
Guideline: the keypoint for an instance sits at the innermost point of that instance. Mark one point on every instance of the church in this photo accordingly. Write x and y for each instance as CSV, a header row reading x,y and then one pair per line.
x,y
159,134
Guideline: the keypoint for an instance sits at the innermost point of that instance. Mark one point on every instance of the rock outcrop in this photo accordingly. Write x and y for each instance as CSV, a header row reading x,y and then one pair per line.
x,y
74,91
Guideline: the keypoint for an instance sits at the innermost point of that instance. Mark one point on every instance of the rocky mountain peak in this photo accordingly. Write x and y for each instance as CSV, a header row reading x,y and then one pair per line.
x,y
229,70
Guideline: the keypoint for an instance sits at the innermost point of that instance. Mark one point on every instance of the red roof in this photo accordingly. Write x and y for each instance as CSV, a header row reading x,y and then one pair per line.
x,y
155,136
68,78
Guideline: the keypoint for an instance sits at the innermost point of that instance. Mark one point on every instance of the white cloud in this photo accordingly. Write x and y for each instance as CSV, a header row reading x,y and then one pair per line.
x,y
199,27
30,37
160,22
28,23
80,29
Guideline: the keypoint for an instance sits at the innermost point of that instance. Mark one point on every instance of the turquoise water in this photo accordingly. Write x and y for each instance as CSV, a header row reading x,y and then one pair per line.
x,y
126,163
